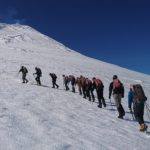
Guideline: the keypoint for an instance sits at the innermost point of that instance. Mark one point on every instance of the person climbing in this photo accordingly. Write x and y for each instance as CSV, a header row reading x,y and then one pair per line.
x,y
137,96
98,85
24,71
73,82
83,85
54,78
38,74
89,89
117,88
78,82
66,82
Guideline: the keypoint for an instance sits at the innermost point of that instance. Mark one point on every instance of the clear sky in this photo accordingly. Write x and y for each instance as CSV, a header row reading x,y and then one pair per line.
x,y
114,31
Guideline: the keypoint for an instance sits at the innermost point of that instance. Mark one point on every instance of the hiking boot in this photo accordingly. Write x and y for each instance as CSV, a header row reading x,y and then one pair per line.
x,y
80,93
93,98
100,106
120,117
143,127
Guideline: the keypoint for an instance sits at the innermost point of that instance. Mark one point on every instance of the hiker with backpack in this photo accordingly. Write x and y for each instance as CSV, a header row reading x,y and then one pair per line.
x,y
78,82
137,96
24,71
117,89
83,86
38,74
54,78
66,81
89,89
73,82
98,85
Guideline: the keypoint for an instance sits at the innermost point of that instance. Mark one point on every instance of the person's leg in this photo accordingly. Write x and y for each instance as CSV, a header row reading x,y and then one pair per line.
x,y
117,99
103,100
99,98
23,78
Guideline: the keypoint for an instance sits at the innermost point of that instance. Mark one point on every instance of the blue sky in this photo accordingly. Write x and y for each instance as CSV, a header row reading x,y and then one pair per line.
x,y
114,31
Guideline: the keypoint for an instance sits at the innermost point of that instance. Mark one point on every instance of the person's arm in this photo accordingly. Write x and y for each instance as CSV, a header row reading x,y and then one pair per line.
x,y
122,91
110,89
93,86
20,70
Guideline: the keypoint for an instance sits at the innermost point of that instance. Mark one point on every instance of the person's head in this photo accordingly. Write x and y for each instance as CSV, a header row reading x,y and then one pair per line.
x,y
63,75
93,78
81,76
115,77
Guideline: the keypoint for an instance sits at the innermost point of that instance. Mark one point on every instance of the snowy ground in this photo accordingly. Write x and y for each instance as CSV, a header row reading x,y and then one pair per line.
x,y
42,118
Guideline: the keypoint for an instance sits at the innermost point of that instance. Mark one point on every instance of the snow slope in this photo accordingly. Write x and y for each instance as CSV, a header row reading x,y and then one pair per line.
x,y
42,118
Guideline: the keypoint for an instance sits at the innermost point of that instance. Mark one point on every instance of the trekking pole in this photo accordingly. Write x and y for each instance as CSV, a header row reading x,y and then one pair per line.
x,y
111,104
147,110
132,114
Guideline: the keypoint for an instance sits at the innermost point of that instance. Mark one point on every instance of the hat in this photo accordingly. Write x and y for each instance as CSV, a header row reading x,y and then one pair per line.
x,y
115,77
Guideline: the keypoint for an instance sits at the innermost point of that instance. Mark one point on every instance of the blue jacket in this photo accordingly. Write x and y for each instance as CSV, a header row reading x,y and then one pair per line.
x,y
130,100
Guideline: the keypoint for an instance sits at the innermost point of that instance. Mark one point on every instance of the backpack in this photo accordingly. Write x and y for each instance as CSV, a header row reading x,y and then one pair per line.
x,y
138,93
25,70
39,71
98,82
117,84
54,76
88,82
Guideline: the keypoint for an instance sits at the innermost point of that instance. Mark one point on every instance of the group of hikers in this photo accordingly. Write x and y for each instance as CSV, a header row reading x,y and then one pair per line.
x,y
86,87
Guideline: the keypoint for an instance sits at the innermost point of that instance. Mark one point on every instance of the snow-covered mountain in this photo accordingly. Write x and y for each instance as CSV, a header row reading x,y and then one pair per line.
x,y
42,118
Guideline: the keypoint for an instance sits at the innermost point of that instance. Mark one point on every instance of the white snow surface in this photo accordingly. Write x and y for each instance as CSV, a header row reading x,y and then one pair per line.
x,y
43,118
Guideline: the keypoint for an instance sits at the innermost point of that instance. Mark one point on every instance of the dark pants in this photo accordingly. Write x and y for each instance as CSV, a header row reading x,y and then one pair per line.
x,y
100,97
73,88
121,111
38,80
24,78
66,86
89,94
54,84
84,91
139,112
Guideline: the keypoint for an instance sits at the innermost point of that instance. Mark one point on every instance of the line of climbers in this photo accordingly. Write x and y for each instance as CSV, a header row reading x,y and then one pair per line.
x,y
86,87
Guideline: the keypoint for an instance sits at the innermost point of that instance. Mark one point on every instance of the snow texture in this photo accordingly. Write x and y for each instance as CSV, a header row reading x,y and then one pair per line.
x,y
42,118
